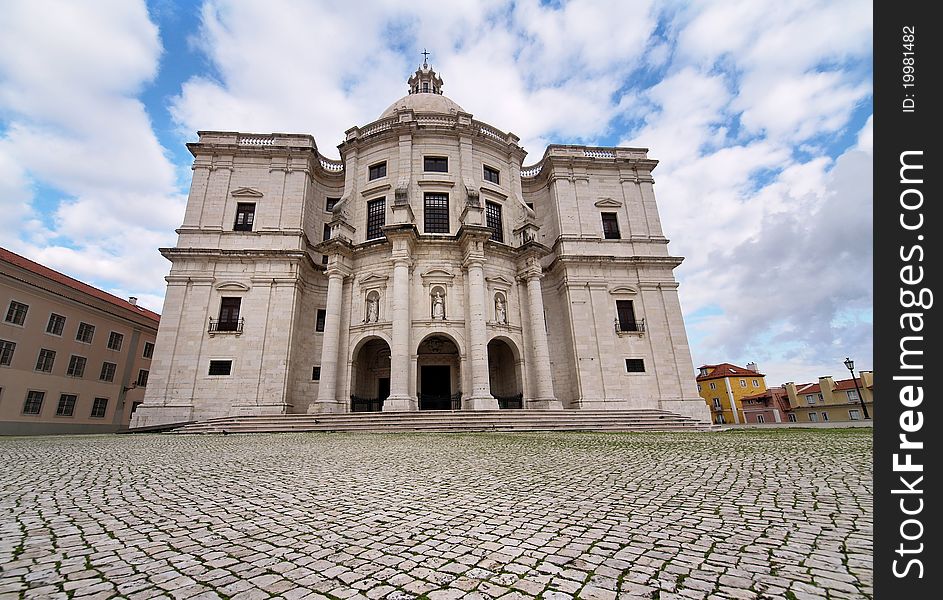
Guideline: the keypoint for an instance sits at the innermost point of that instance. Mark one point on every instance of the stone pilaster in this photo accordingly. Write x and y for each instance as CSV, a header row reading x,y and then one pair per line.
x,y
402,237
327,389
544,397
479,397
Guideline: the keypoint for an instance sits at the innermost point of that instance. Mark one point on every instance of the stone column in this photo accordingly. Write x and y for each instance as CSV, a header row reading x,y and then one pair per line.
x,y
399,398
541,354
480,397
327,388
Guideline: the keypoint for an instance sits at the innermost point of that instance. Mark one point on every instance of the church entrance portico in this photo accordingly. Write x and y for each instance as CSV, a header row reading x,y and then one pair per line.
x,y
370,375
438,376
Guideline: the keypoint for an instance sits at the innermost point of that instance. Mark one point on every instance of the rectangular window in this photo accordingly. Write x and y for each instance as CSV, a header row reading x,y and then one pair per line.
x,y
34,403
229,314
492,175
824,416
493,221
792,417
99,406
6,352
610,226
634,365
16,313
56,324
377,171
319,320
85,333
142,378
108,371
760,419
436,164
220,367
436,211
756,383
625,310
716,402
245,216
814,417
699,387
324,259
852,395
115,340
45,361
66,405
376,218
148,350
316,374
713,386
331,203
76,366
854,414
810,399
326,233
743,383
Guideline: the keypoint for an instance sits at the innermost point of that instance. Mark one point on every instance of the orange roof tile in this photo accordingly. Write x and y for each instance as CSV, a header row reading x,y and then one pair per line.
x,y
75,284
727,370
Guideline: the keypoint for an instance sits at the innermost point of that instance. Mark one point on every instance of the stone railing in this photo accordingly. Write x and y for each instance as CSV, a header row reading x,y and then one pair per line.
x,y
533,171
256,140
593,153
378,127
491,132
335,166
436,119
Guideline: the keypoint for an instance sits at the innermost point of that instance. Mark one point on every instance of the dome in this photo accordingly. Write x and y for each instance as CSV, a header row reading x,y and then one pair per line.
x,y
423,103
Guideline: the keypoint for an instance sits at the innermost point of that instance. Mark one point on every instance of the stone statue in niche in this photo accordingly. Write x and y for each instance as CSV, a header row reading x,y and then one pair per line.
x,y
438,306
500,310
373,309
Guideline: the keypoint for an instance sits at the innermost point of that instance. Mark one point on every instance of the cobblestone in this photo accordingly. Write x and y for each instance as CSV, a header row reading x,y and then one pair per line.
x,y
745,514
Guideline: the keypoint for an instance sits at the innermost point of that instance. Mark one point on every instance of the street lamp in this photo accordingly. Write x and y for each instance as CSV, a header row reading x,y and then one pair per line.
x,y
850,364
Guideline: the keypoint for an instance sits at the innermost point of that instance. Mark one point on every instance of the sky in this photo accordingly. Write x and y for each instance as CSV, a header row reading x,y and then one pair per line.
x,y
759,113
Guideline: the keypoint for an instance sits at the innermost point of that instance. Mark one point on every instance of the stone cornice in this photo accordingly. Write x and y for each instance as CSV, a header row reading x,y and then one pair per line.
x,y
668,261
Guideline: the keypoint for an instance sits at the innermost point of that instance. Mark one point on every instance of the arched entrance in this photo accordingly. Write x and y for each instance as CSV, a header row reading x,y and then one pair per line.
x,y
370,376
504,374
438,379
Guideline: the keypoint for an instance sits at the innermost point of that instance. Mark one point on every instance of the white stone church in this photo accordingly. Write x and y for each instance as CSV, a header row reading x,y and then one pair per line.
x,y
428,269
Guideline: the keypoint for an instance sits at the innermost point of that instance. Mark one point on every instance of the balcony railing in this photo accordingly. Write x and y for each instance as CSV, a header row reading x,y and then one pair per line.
x,y
226,325
440,401
637,326
510,402
358,404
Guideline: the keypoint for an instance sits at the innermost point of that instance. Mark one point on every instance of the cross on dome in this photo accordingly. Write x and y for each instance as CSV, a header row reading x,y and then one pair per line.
x,y
425,80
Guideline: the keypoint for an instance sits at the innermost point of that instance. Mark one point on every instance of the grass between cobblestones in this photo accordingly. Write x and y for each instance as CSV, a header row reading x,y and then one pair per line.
x,y
736,514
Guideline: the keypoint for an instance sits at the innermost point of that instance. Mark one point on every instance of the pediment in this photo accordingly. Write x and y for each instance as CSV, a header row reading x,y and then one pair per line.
x,y
373,278
499,281
608,203
437,274
246,192
232,286
624,289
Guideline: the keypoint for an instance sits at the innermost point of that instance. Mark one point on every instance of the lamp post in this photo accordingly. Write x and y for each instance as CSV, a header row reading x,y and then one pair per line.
x,y
850,364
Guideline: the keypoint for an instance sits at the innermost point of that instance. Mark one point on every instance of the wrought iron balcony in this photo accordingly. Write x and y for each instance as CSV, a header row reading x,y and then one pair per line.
x,y
637,326
358,404
226,325
512,402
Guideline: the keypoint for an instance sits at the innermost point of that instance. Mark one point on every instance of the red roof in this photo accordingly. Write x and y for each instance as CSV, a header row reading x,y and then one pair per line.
x,y
769,393
75,284
840,385
727,370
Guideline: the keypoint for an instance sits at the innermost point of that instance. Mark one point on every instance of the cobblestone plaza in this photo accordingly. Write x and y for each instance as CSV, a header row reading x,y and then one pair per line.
x,y
747,514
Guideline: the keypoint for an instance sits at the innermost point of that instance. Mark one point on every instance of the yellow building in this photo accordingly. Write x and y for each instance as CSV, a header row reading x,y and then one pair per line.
x,y
830,400
723,387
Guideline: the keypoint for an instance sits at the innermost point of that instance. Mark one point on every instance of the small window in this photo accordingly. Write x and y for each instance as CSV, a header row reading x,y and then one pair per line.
x,y
56,324
610,226
436,213
494,221
492,175
625,311
716,402
720,419
85,333
245,216
756,383
99,406
852,395
76,366
376,218
6,352
220,367
813,417
66,405
115,340
324,259
810,399
713,385
16,313
45,361
699,387
34,403
853,414
331,203
377,171
229,314
148,350
436,164
319,320
634,365
824,417
326,233
108,371
743,383
316,374
792,417
760,419
821,398
142,378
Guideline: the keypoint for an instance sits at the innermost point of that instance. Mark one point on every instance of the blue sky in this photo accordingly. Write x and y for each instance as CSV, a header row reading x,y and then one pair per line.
x,y
759,113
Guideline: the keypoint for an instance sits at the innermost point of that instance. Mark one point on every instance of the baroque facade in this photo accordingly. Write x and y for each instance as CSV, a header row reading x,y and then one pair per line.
x,y
427,269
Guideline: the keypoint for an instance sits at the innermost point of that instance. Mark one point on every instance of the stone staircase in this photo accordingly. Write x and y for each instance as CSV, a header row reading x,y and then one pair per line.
x,y
456,421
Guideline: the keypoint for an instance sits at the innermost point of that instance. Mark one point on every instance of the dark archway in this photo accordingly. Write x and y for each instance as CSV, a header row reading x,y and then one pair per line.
x,y
438,374
370,374
504,373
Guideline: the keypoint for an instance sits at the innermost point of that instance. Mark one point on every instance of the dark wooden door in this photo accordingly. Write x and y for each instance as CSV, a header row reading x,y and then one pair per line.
x,y
436,387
